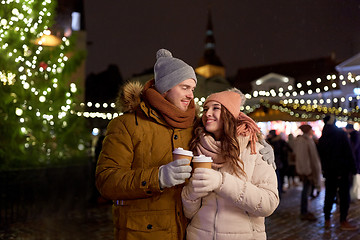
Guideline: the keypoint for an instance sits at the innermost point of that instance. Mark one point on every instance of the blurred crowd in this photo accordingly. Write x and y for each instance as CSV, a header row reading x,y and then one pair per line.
x,y
331,162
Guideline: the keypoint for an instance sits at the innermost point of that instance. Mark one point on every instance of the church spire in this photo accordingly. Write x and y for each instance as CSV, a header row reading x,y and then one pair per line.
x,y
210,39
210,64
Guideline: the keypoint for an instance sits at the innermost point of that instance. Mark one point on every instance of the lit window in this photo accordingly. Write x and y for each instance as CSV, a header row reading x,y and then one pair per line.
x,y
75,21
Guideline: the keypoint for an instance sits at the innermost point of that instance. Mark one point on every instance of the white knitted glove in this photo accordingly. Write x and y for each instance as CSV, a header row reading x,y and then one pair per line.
x,y
188,192
206,180
267,153
174,173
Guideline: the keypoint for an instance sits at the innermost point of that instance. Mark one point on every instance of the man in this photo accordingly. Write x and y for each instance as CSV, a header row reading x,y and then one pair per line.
x,y
136,168
338,166
308,167
281,149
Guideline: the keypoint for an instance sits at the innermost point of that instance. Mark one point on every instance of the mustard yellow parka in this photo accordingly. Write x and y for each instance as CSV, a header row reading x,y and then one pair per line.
x,y
136,144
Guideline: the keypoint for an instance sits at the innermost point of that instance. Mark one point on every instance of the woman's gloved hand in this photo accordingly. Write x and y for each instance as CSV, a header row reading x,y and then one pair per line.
x,y
267,153
206,180
188,192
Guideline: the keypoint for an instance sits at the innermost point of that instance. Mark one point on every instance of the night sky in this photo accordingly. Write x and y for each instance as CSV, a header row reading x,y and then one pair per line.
x,y
248,33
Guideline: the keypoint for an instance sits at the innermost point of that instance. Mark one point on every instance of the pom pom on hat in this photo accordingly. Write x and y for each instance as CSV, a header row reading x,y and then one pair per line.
x,y
163,53
170,71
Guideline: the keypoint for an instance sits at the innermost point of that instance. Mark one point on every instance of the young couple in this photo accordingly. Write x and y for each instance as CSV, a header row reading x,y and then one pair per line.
x,y
137,171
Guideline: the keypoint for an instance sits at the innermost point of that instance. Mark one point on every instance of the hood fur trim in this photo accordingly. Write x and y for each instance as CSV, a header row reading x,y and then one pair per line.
x,y
129,97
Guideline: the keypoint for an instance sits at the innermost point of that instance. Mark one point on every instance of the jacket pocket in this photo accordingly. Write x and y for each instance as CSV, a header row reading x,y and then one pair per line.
x,y
149,221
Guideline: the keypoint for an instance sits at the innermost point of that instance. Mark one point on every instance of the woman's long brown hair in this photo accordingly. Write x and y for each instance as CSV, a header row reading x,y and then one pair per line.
x,y
230,149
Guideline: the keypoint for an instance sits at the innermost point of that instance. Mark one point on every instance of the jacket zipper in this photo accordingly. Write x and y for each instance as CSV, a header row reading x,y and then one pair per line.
x,y
216,214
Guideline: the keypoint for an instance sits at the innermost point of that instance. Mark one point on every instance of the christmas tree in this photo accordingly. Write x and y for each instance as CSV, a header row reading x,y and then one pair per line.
x,y
39,125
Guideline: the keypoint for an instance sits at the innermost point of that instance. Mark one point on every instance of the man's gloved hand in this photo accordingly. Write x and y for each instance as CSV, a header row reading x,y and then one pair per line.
x,y
206,180
188,192
174,173
267,153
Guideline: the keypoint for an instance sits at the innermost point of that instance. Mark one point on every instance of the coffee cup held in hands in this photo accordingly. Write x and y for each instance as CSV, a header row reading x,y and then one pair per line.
x,y
202,162
180,153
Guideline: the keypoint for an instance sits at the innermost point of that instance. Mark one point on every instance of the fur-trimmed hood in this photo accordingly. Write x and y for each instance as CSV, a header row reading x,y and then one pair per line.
x,y
129,97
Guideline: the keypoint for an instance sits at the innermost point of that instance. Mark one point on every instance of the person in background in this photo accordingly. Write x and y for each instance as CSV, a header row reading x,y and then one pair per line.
x,y
281,149
354,137
291,170
231,200
136,168
308,167
338,167
96,197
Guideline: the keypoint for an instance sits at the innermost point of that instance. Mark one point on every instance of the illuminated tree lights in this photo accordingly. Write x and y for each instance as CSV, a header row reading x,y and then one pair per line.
x,y
37,108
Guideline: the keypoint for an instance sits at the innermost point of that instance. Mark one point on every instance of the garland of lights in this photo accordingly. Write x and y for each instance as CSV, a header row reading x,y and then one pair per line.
x,y
288,104
310,111
290,93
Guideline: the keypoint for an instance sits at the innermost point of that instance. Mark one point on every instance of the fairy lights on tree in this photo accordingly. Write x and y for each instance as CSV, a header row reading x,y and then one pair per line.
x,y
38,123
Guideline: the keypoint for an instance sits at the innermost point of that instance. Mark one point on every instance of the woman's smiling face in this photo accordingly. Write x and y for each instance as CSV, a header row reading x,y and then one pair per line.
x,y
211,119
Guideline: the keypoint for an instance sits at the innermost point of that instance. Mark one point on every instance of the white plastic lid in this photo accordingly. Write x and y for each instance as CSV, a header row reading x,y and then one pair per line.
x,y
181,151
202,158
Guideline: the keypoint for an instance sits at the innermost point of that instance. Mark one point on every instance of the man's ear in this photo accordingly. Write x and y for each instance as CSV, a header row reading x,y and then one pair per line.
x,y
165,93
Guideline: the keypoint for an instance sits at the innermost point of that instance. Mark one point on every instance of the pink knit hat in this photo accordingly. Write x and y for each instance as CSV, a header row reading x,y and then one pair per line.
x,y
231,99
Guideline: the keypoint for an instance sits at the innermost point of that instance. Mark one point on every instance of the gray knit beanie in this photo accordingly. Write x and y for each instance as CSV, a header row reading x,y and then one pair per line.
x,y
170,71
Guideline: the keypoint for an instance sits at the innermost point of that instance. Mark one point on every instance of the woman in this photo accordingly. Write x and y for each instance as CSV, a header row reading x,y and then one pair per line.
x,y
308,167
231,200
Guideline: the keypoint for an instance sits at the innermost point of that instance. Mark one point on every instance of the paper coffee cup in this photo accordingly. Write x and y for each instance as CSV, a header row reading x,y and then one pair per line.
x,y
180,153
202,162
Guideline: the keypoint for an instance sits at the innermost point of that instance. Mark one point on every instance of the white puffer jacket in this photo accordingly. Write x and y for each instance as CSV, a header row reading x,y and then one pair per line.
x,y
238,209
